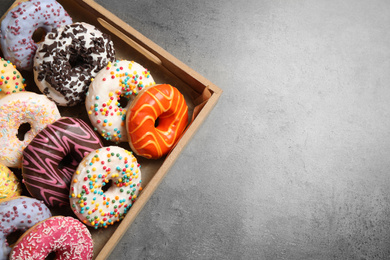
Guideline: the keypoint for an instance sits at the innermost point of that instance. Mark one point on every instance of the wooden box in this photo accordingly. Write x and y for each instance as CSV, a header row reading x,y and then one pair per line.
x,y
201,96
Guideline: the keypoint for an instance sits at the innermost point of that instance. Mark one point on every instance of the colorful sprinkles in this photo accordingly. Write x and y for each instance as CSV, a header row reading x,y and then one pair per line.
x,y
9,184
118,83
93,203
19,108
11,81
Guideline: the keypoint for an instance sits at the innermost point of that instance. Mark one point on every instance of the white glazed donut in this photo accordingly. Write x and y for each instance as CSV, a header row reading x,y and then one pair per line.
x,y
89,200
16,109
119,81
19,25
68,58
19,213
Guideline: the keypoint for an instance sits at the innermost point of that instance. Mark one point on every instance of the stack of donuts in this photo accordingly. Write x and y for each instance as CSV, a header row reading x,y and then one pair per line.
x,y
90,166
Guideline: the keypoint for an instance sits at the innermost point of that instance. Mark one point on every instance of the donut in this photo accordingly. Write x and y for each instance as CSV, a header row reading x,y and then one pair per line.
x,y
9,184
19,214
19,108
52,157
19,25
68,58
110,94
96,204
10,79
155,120
67,237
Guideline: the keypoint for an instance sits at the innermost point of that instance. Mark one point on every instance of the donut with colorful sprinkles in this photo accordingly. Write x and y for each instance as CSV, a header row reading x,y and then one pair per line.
x,y
19,25
17,109
67,237
105,186
11,81
110,95
9,184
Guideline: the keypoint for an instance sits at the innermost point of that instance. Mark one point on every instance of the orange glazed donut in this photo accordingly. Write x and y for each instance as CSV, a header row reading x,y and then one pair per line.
x,y
155,120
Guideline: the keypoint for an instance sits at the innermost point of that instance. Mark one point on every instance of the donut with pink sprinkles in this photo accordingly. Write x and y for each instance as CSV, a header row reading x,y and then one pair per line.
x,y
19,25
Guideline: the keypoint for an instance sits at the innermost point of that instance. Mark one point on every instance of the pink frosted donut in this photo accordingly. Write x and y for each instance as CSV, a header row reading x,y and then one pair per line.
x,y
19,213
52,157
66,236
19,25
15,110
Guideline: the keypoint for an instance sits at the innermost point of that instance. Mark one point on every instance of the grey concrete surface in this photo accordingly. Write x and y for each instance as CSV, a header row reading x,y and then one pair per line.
x,y
293,162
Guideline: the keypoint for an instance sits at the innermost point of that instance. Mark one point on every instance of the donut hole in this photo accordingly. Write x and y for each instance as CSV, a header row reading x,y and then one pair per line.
x,y
123,101
51,256
76,60
22,131
67,160
38,35
14,236
156,122
106,185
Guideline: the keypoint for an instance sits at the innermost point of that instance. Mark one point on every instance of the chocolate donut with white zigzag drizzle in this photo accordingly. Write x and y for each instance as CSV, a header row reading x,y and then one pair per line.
x,y
52,157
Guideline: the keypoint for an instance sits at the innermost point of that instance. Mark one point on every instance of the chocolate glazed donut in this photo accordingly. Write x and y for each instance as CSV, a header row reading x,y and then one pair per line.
x,y
52,157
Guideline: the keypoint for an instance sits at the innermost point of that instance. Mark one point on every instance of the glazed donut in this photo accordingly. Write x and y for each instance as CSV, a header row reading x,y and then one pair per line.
x,y
9,184
65,236
121,80
77,53
10,79
52,157
21,22
19,108
19,213
89,200
165,104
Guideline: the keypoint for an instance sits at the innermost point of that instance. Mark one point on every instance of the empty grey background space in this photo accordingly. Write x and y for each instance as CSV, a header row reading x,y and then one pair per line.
x,y
293,162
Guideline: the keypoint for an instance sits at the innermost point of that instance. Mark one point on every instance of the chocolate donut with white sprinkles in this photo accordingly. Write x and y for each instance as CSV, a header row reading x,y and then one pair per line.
x,y
68,58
